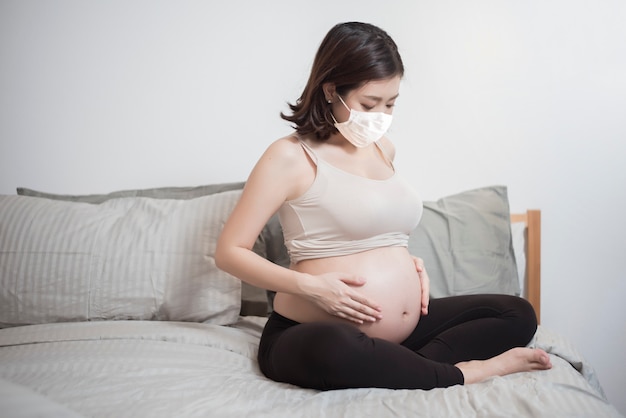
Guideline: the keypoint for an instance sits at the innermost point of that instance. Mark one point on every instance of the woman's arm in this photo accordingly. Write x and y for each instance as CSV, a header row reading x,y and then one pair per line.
x,y
282,173
267,187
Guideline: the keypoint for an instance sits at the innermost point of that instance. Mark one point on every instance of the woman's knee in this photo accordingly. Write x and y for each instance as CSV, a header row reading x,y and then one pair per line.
x,y
524,318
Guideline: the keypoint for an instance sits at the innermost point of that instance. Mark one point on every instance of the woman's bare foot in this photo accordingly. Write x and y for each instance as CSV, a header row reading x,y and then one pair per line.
x,y
520,359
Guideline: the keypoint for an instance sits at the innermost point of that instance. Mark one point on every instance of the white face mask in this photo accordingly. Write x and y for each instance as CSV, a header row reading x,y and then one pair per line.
x,y
363,128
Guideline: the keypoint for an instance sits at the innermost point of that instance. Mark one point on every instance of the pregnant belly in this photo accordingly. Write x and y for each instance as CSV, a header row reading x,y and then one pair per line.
x,y
391,282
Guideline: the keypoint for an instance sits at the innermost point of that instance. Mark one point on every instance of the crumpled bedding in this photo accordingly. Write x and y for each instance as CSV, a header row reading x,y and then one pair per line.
x,y
181,369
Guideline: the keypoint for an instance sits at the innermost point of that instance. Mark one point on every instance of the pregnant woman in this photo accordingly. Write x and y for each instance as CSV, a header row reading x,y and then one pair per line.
x,y
353,308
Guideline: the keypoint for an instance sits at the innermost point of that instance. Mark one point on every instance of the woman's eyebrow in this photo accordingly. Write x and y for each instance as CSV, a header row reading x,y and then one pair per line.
x,y
380,99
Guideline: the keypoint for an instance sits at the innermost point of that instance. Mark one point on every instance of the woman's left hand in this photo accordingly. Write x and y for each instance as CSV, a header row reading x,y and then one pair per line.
x,y
425,282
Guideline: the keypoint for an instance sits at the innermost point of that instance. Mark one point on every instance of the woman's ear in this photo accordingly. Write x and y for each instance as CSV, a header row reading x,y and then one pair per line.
x,y
329,91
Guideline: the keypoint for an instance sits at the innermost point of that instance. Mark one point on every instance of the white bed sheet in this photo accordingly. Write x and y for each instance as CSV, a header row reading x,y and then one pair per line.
x,y
167,369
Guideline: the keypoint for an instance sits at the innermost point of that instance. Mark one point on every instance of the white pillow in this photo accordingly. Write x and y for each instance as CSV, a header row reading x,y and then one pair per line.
x,y
127,258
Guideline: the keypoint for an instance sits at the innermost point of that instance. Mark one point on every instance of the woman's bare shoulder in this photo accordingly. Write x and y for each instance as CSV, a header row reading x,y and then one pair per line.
x,y
286,153
388,148
287,147
285,166
283,158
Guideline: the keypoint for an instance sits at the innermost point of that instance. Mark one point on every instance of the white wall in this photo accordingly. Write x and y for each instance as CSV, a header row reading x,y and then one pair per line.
x,y
101,96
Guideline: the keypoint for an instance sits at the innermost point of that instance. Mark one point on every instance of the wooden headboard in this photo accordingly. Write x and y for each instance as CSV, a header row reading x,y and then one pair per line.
x,y
532,219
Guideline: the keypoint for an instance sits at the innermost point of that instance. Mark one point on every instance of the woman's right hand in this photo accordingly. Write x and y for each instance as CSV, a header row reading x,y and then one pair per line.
x,y
334,293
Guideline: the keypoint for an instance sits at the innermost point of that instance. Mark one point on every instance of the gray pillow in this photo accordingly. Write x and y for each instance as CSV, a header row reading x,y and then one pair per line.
x,y
465,241
254,301
131,258
276,252
155,193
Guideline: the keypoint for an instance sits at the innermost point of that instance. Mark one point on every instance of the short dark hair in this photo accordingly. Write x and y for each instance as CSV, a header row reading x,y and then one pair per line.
x,y
350,55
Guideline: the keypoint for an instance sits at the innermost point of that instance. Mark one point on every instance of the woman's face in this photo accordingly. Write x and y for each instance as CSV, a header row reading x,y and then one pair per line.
x,y
373,96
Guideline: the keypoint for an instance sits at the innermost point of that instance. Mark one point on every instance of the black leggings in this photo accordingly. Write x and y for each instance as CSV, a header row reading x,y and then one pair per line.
x,y
329,355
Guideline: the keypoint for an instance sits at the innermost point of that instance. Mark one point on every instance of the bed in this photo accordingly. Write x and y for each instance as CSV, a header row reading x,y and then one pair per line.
x,y
111,306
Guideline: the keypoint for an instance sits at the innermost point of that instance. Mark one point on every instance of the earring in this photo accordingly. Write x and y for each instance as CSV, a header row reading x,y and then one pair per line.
x,y
330,101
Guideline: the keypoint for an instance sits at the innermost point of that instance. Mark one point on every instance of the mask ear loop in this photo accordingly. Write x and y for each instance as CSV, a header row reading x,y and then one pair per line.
x,y
344,103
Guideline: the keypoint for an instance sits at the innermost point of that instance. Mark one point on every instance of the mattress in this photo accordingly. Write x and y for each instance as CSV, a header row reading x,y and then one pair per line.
x,y
184,369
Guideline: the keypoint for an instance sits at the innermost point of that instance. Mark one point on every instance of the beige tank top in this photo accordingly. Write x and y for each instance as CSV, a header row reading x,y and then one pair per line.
x,y
343,213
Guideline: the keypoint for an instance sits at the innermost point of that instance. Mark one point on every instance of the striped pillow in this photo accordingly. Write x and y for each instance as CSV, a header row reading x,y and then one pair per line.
x,y
128,258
